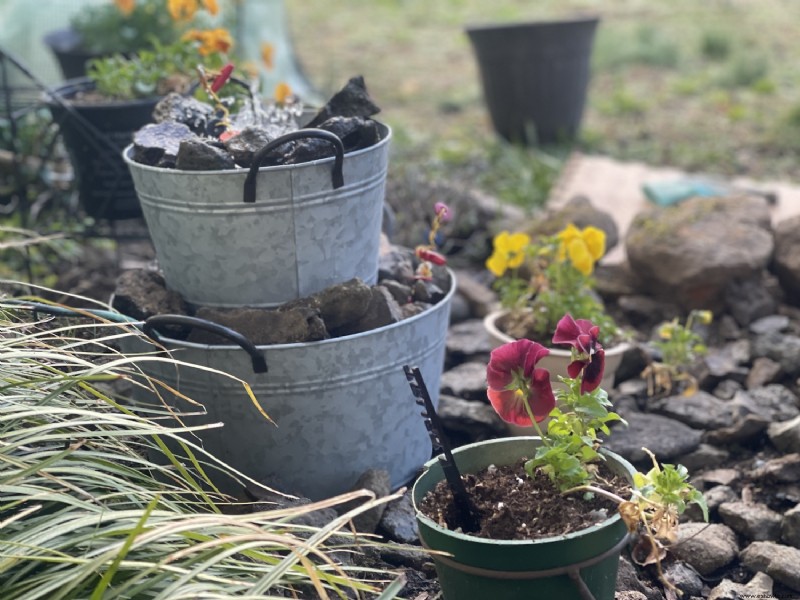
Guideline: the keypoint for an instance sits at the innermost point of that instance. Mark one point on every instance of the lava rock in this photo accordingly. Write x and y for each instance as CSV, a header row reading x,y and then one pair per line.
x,y
344,304
770,324
782,348
396,264
760,586
478,420
198,155
742,430
750,299
140,294
685,578
262,326
701,410
158,144
351,101
628,581
787,255
246,144
790,527
400,291
763,372
184,110
705,456
382,310
773,402
356,133
785,436
480,297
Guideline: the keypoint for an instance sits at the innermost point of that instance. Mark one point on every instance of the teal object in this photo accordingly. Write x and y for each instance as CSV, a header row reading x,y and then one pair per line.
x,y
667,193
577,566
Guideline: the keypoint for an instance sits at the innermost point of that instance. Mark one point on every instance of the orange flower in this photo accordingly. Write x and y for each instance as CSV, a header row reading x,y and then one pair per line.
x,y
211,40
125,6
182,10
282,92
268,55
211,6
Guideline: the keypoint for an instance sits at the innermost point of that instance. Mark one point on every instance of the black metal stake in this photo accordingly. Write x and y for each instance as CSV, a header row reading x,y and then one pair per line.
x,y
467,515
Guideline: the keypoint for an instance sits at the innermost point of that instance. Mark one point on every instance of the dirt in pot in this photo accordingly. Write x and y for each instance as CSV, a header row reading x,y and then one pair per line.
x,y
513,506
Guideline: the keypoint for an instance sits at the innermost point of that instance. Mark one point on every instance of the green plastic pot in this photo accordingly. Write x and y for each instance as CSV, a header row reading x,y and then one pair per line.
x,y
577,566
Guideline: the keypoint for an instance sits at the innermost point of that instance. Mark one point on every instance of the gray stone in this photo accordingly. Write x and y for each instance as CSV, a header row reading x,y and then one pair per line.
x,y
701,410
397,264
262,326
459,309
776,560
764,371
752,520
480,297
790,527
717,496
705,456
787,254
690,252
784,469
774,402
377,481
413,308
714,477
728,328
645,311
467,381
405,555
476,419
197,155
785,436
468,339
782,348
727,389
743,429
399,521
141,293
629,595
400,291
706,547
426,291
351,101
355,132
666,437
725,362
750,299
760,586
628,579
685,578
770,324
243,146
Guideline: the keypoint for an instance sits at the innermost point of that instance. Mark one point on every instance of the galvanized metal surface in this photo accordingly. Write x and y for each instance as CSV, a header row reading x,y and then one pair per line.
x,y
299,237
341,405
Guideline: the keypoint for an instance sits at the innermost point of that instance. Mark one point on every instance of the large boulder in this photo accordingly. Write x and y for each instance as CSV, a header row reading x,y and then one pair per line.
x,y
692,251
787,255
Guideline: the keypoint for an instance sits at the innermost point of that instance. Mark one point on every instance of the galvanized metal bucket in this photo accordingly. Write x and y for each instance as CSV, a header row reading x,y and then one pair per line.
x,y
264,236
340,406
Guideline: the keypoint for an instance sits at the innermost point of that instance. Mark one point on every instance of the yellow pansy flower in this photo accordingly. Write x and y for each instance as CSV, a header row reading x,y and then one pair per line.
x,y
211,6
182,10
211,40
125,6
267,55
509,252
282,92
583,247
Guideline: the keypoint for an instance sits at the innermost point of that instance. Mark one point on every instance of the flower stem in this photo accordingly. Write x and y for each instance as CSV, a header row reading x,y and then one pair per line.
x,y
596,490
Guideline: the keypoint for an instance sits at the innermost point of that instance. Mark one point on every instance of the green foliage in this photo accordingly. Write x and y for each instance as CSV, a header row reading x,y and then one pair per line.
x,y
572,442
144,74
646,45
678,343
715,44
668,485
105,29
745,70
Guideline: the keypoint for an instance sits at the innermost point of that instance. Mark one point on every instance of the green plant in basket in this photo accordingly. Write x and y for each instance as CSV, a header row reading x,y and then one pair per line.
x,y
539,281
578,414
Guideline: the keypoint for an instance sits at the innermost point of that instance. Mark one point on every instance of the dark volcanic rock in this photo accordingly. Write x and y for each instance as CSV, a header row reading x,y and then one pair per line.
x,y
185,110
344,304
351,101
197,155
665,437
356,133
247,143
262,326
382,310
158,144
141,294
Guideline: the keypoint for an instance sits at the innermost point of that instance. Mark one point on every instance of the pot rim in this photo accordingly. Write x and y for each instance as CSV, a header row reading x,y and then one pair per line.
x,y
127,155
615,518
490,320
587,18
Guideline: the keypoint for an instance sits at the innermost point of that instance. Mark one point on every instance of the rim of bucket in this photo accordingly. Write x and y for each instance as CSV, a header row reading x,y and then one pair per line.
x,y
66,90
490,542
572,20
127,152
168,341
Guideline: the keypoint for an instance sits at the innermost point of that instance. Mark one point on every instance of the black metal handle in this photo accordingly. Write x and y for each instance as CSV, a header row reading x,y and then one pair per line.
x,y
337,179
259,362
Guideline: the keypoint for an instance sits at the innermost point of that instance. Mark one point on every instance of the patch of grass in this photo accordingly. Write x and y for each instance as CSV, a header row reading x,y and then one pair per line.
x,y
645,45
745,70
715,44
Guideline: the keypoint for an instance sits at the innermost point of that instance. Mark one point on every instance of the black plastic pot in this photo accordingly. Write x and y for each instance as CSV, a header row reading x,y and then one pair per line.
x,y
65,45
535,76
95,135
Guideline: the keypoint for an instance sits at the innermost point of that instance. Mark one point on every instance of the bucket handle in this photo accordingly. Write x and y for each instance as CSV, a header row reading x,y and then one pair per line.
x,y
259,362
337,179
